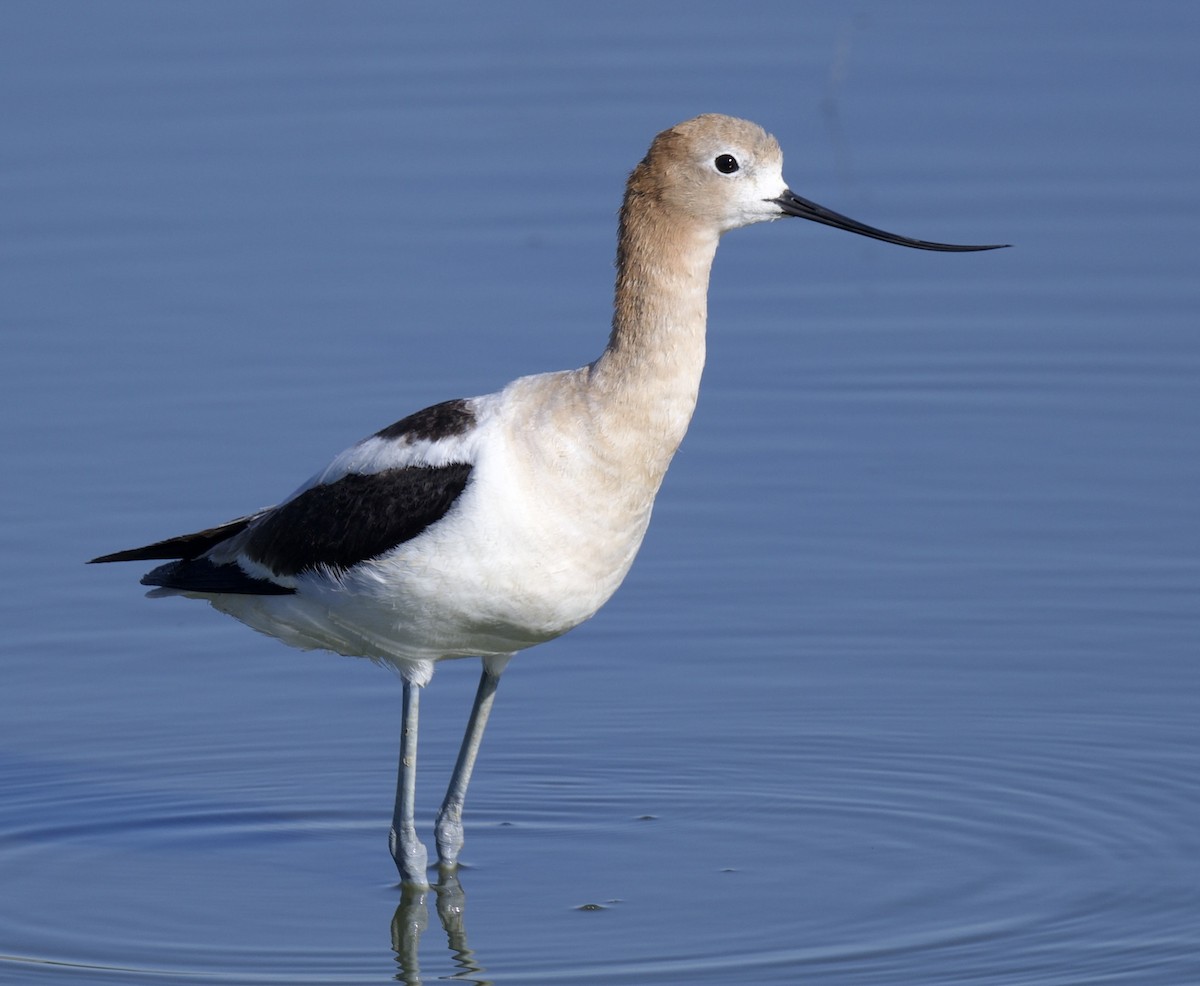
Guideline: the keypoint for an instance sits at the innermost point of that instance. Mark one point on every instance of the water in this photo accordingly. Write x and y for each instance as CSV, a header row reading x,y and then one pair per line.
x,y
903,687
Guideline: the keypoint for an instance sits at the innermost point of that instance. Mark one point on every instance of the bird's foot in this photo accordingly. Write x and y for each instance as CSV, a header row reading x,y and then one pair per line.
x,y
412,860
450,839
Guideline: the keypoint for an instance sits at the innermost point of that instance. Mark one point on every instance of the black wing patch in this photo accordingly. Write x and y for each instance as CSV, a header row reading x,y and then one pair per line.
x,y
184,546
201,575
443,420
358,517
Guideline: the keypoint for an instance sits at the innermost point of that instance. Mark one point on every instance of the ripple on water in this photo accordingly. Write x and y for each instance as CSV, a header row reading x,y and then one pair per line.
x,y
1016,855
1012,855
117,880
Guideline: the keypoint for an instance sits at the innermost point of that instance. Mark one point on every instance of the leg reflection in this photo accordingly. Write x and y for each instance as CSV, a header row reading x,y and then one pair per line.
x,y
408,924
412,918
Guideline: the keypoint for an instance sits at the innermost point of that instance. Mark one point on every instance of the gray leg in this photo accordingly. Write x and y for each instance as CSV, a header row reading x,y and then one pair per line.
x,y
407,850
449,820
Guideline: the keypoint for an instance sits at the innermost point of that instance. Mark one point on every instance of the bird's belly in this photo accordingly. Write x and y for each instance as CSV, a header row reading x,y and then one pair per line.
x,y
477,583
499,588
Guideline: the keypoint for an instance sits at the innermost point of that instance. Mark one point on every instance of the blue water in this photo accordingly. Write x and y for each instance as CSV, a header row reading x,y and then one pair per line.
x,y
904,686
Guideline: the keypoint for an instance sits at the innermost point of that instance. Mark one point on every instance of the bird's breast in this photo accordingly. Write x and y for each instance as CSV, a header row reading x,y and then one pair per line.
x,y
546,530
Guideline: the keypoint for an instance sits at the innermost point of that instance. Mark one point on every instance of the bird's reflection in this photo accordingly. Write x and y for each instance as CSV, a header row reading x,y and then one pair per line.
x,y
412,918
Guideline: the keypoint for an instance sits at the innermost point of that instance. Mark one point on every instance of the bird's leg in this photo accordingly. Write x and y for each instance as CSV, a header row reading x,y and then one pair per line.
x,y
449,820
407,850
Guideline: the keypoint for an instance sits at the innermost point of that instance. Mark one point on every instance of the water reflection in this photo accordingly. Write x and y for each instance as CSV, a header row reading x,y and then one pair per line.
x,y
412,919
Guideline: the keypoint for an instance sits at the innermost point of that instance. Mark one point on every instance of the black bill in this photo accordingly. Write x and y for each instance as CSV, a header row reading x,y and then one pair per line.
x,y
793,205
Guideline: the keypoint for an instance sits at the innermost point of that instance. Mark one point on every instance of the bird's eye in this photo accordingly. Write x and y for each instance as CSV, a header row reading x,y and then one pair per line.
x,y
726,164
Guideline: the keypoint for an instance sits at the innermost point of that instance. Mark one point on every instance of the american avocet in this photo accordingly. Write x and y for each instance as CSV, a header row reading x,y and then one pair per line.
x,y
482,526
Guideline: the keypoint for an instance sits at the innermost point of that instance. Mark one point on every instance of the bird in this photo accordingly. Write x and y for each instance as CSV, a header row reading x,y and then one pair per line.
x,y
479,527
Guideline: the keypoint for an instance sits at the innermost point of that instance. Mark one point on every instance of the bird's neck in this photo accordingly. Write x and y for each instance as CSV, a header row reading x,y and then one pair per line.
x,y
646,382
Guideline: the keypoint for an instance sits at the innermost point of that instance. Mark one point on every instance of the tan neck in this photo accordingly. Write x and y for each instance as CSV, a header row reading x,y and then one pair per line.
x,y
648,377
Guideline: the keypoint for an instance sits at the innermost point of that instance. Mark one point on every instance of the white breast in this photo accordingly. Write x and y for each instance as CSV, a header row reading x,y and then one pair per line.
x,y
522,556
